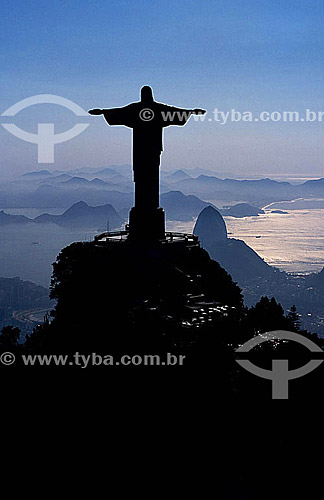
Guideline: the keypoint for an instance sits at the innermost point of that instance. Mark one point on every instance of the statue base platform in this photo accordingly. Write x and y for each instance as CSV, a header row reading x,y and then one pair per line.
x,y
146,225
176,239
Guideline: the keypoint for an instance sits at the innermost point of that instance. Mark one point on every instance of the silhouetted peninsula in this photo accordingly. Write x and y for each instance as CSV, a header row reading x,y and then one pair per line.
x,y
241,261
241,210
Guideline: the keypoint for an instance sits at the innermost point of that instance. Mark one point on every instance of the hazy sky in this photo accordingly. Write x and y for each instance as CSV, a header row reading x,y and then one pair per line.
x,y
251,55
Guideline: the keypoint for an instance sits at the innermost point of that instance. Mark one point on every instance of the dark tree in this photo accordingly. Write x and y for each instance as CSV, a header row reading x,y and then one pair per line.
x,y
267,315
9,337
294,319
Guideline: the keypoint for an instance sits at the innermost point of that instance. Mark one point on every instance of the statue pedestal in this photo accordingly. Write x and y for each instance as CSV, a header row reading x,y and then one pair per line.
x,y
148,225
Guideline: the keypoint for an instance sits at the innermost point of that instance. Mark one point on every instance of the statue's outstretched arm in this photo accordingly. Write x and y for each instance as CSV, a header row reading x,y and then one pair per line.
x,y
178,116
96,111
115,116
198,111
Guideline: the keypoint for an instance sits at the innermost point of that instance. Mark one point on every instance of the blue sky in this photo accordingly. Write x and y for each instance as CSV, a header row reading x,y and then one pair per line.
x,y
247,55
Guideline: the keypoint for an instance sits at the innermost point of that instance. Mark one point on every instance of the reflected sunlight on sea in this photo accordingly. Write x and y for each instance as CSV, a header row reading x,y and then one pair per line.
x,y
293,242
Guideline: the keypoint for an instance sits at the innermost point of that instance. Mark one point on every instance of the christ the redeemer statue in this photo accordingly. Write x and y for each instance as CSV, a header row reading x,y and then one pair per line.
x,y
147,118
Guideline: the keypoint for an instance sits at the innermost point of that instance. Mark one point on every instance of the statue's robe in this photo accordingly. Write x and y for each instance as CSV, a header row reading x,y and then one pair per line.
x,y
147,144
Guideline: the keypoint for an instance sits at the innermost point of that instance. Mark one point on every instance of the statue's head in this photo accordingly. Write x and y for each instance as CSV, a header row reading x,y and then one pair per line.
x,y
146,94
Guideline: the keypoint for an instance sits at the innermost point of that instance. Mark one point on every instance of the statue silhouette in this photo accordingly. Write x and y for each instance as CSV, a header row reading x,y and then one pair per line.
x,y
147,118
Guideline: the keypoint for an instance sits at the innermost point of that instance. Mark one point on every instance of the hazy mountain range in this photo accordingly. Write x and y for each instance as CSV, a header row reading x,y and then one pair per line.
x,y
100,198
258,192
78,215
114,185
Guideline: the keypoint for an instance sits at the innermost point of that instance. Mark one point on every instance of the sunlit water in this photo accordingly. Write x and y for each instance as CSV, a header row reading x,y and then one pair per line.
x,y
28,250
293,242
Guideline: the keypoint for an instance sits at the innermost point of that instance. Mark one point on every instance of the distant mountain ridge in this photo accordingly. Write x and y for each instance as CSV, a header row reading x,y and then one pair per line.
x,y
176,205
78,215
180,207
82,215
38,173
176,176
12,219
257,192
253,191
